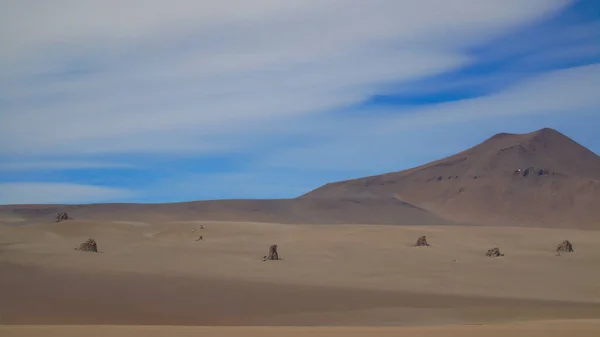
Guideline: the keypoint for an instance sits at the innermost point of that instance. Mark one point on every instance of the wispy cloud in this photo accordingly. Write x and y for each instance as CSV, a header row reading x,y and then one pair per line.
x,y
47,193
562,91
391,133
80,79
59,165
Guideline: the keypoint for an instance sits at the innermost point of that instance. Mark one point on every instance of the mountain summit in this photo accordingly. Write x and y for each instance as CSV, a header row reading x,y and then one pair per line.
x,y
542,178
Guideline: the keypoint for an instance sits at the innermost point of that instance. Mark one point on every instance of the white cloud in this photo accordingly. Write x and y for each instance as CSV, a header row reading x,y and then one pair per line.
x,y
385,139
561,91
157,76
59,165
57,193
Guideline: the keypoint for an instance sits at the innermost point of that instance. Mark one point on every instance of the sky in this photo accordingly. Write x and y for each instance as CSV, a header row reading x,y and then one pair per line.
x,y
167,101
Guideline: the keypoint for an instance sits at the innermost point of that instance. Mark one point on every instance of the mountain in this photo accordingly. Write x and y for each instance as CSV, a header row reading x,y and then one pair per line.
x,y
542,178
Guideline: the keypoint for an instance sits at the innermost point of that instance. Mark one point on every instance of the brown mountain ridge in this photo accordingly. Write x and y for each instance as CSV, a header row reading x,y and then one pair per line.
x,y
541,179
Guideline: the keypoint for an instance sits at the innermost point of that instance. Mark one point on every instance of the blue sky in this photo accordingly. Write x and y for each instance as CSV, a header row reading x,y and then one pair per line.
x,y
156,101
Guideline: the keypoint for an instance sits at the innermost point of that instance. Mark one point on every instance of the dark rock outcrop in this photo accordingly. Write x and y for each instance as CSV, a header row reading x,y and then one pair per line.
x,y
564,246
273,255
532,171
494,252
62,216
422,241
88,246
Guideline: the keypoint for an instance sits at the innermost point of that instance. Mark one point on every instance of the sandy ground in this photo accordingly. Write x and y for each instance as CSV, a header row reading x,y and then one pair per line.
x,y
341,275
580,328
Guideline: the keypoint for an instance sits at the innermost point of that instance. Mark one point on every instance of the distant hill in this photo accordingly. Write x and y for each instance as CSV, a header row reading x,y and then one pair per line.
x,y
542,178
387,211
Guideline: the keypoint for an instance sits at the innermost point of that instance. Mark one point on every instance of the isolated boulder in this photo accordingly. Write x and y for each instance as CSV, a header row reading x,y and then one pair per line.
x,y
62,216
88,246
564,246
422,241
273,255
494,252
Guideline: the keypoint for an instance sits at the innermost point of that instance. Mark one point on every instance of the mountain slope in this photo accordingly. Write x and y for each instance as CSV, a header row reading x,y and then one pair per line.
x,y
542,178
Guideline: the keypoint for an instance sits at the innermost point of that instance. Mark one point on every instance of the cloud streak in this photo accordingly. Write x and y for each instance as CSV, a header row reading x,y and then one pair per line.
x,y
116,83
391,131
48,193
59,165
562,91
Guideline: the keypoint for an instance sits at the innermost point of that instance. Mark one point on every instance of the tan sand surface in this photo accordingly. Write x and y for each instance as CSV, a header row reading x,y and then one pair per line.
x,y
579,328
330,275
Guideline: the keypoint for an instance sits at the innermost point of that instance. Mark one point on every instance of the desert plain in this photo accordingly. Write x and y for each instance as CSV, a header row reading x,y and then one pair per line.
x,y
150,276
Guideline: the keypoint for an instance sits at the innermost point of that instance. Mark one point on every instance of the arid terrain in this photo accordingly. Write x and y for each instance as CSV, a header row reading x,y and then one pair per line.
x,y
585,328
540,179
153,275
329,275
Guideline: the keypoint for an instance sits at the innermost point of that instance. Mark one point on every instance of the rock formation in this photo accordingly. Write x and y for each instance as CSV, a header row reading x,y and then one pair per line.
x,y
197,229
273,255
88,246
532,171
494,252
564,246
62,216
422,241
